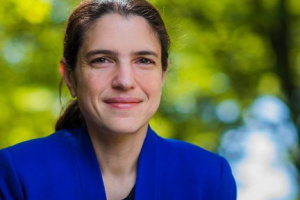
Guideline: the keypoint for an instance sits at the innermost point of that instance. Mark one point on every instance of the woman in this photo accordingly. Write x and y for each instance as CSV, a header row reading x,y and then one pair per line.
x,y
115,63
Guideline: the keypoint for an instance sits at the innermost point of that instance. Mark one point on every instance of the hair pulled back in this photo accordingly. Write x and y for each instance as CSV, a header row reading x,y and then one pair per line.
x,y
81,19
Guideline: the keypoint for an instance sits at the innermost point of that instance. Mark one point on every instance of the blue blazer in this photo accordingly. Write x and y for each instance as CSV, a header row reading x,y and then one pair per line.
x,y
64,166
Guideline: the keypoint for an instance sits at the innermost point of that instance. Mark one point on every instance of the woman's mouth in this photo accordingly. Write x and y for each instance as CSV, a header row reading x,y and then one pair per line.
x,y
123,102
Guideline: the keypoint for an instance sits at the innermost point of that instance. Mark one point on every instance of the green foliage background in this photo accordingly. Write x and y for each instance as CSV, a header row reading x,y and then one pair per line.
x,y
221,50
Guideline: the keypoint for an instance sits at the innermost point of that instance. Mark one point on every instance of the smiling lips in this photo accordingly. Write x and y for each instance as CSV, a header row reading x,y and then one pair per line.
x,y
123,102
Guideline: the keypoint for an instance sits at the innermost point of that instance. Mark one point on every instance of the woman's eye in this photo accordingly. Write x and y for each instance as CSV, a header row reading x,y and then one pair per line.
x,y
145,61
100,61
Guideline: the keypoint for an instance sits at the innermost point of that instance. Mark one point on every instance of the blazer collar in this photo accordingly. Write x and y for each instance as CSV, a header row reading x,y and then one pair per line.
x,y
147,174
92,184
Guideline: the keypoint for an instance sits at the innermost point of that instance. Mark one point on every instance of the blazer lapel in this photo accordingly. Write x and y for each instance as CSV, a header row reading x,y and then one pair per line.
x,y
90,177
147,175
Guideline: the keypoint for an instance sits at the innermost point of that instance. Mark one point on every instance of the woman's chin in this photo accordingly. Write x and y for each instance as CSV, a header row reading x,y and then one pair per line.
x,y
120,128
126,129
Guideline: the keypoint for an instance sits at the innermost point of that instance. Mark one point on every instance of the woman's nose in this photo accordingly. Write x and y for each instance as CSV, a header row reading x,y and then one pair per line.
x,y
124,78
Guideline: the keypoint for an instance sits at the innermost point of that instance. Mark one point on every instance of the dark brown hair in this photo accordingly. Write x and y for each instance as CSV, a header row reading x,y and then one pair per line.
x,y
81,20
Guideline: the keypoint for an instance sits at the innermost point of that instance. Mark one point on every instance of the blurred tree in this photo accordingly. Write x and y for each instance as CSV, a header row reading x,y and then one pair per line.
x,y
31,44
229,50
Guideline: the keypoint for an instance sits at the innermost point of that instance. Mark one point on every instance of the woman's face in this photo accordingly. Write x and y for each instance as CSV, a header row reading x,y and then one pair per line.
x,y
118,77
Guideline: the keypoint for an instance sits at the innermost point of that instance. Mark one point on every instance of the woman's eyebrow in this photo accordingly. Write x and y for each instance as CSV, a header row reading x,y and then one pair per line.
x,y
100,51
145,52
110,52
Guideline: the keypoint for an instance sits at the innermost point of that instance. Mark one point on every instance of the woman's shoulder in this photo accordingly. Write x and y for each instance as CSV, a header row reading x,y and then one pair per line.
x,y
189,152
56,145
209,173
192,158
26,166
54,139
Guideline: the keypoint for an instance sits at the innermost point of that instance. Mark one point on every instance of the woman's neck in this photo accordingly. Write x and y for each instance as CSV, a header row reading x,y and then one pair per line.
x,y
117,155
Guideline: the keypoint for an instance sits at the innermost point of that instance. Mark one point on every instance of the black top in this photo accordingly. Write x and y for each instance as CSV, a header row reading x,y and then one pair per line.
x,y
131,194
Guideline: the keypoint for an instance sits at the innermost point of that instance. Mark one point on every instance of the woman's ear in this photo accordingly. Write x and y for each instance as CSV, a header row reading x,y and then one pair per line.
x,y
68,77
164,73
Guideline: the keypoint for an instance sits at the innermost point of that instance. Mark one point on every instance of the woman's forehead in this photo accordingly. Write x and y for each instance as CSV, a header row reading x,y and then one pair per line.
x,y
115,22
119,33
